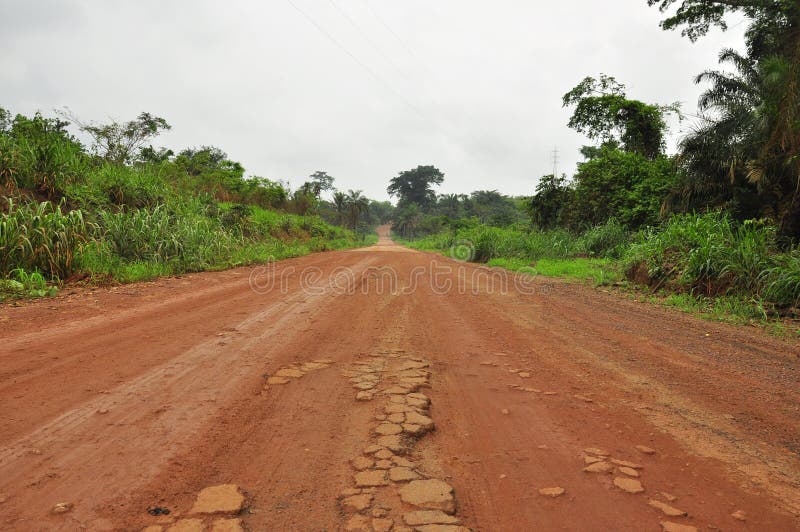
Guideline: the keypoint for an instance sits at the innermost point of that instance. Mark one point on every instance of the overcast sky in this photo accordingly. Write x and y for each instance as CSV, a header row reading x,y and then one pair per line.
x,y
359,88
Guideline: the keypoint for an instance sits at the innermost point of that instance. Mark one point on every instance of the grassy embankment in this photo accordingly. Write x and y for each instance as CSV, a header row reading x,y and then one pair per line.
x,y
66,214
706,264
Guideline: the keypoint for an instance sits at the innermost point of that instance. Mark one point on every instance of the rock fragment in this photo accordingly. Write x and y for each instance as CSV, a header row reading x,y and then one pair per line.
x,y
357,503
364,396
629,485
61,508
431,494
388,429
552,492
382,524
227,525
629,471
668,510
371,477
624,463
358,523
599,467
645,449
289,372
225,498
402,474
595,451
362,462
666,526
429,517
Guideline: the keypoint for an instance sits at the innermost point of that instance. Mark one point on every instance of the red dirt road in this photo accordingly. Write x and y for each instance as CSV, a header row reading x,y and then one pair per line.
x,y
119,400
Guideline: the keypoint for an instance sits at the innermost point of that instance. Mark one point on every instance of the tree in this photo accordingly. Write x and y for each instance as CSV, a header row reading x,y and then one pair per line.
x,y
407,220
492,208
5,119
118,142
548,206
603,112
451,205
318,182
415,186
357,204
382,211
773,47
340,202
39,154
697,17
623,185
714,158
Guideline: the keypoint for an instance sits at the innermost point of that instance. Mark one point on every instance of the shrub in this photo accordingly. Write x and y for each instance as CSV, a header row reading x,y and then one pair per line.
x,y
40,237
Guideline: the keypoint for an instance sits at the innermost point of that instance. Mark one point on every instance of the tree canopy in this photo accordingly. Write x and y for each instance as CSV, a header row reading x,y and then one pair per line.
x,y
416,185
602,112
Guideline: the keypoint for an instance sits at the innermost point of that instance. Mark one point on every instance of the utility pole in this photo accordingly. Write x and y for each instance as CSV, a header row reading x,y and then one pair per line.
x,y
555,162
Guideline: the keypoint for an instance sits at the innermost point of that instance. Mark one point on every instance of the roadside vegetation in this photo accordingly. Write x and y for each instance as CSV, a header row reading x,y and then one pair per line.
x,y
118,210
713,228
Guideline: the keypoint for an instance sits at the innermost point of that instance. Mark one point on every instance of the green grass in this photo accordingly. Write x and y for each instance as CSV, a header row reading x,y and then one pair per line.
x,y
597,271
22,284
704,264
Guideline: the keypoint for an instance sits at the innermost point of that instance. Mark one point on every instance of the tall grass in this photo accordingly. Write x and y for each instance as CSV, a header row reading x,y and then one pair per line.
x,y
40,237
704,255
489,243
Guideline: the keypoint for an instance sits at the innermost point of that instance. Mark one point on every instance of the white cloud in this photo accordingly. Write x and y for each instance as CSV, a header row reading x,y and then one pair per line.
x,y
472,87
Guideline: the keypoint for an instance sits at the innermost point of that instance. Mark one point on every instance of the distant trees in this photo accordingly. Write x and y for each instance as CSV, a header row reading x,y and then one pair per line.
x,y
416,186
340,202
357,204
317,183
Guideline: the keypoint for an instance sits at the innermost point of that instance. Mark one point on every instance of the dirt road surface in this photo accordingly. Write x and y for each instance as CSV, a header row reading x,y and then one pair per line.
x,y
384,388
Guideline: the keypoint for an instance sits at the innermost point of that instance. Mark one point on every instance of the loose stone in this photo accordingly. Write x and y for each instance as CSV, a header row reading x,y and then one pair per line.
x,y
357,503
629,485
225,498
552,492
227,525
599,467
432,494
667,509
402,474
371,477
666,526
429,517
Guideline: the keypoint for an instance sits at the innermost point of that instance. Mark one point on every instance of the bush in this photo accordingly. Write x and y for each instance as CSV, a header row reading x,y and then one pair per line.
x,y
709,254
122,186
40,237
609,240
38,154
156,235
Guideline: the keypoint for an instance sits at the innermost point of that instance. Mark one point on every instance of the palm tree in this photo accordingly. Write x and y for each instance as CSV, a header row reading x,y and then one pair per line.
x,y
340,202
408,220
358,204
730,160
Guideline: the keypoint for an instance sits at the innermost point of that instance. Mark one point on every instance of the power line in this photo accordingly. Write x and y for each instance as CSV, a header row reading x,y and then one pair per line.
x,y
352,56
367,38
390,30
